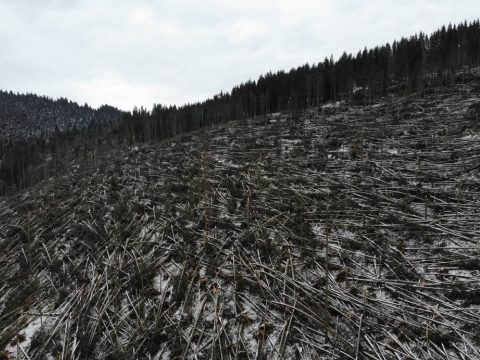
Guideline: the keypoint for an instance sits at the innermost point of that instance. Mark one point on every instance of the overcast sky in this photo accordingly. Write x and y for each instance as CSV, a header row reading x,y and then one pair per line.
x,y
140,52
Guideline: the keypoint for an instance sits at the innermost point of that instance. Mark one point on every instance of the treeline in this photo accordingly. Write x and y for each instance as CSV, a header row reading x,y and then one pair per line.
x,y
27,161
409,65
414,64
24,116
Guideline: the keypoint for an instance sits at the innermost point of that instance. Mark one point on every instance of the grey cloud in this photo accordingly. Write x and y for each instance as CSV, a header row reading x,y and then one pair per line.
x,y
127,52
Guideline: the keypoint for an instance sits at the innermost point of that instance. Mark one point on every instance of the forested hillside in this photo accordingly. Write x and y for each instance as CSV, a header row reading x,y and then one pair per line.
x,y
409,65
38,135
27,116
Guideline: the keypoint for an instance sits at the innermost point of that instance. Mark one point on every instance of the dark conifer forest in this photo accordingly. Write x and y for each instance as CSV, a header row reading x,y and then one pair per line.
x,y
38,147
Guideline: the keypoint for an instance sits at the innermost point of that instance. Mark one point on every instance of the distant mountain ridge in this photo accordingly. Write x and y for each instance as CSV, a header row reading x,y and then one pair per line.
x,y
24,116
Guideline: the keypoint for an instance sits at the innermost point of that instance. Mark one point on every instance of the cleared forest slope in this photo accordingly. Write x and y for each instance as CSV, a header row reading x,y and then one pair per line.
x,y
336,233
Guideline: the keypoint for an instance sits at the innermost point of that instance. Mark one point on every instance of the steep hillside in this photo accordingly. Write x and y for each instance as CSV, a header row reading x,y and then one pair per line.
x,y
342,233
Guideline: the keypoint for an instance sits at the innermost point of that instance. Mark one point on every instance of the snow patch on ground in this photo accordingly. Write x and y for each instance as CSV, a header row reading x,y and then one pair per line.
x,y
471,137
28,332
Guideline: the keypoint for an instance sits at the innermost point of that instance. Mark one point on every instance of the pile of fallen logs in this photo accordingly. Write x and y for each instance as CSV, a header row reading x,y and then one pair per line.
x,y
343,236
